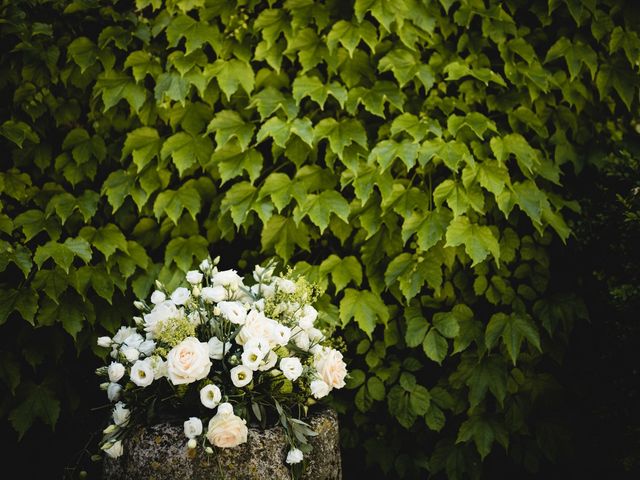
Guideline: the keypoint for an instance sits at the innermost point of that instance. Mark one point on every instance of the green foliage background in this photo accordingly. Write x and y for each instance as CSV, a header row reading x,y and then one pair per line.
x,y
406,154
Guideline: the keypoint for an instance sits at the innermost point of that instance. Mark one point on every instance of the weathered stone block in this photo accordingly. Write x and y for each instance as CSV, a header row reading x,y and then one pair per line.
x,y
159,452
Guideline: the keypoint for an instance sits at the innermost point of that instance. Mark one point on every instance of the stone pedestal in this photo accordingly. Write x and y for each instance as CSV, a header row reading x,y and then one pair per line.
x,y
159,452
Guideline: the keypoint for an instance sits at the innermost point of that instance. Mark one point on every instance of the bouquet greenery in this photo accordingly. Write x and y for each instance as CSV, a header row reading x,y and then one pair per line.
x,y
223,351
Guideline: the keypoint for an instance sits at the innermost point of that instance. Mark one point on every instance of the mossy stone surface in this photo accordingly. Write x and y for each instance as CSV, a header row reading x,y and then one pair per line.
x,y
159,452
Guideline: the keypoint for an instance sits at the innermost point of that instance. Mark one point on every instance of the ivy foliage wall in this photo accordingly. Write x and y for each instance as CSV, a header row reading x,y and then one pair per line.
x,y
407,154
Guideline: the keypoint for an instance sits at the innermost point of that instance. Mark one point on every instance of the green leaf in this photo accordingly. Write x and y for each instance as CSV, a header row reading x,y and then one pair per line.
x,y
54,282
239,200
83,52
320,207
375,388
18,132
343,271
114,86
530,199
232,161
186,151
417,326
231,75
513,329
349,35
435,346
312,87
447,324
480,431
418,128
37,402
366,308
429,227
185,252
478,240
341,134
173,86
489,374
106,239
420,400
475,121
195,33
173,203
227,124
388,150
282,234
144,144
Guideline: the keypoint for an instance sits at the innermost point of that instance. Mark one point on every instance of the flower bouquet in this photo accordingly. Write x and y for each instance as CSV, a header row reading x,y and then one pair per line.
x,y
221,353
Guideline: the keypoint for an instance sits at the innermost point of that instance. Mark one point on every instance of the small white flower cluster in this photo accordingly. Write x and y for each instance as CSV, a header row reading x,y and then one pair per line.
x,y
221,337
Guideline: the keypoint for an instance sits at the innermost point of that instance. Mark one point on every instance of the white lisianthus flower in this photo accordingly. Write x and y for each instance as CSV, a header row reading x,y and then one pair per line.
x,y
252,358
122,334
180,296
259,343
227,430
217,348
147,347
256,325
194,277
192,427
291,367
113,391
269,362
315,335
210,396
281,334
142,373
259,305
104,342
133,340
162,312
116,371
130,353
214,294
233,311
158,366
294,456
114,450
121,414
319,388
227,278
285,285
308,317
158,297
241,375
330,367
301,339
188,361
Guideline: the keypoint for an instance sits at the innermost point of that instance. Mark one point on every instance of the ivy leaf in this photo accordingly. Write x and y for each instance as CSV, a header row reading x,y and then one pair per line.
x,y
83,52
142,64
282,234
478,240
114,86
320,207
512,329
489,374
435,346
172,203
186,151
341,134
417,326
232,74
144,144
195,33
342,270
106,239
366,308
349,35
18,132
429,227
388,150
38,402
530,199
312,87
475,121
480,431
173,86
184,252
270,100
228,124
231,161
447,324
418,128
239,201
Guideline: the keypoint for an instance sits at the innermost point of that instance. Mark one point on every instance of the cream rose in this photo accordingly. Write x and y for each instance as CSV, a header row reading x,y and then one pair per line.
x,y
227,430
188,361
115,371
330,367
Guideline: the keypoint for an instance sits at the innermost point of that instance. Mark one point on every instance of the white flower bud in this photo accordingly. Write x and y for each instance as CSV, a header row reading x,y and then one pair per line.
x,y
194,277
192,443
158,297
104,342
139,305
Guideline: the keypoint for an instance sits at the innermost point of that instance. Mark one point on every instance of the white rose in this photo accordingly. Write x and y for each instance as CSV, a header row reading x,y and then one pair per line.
x,y
214,294
116,371
330,367
294,456
269,362
123,333
252,358
227,430
158,297
291,367
130,353
104,342
194,277
142,373
241,375
319,388
285,285
192,427
233,311
227,278
308,317
210,396
180,296
114,450
188,361
113,391
147,347
217,349
121,414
